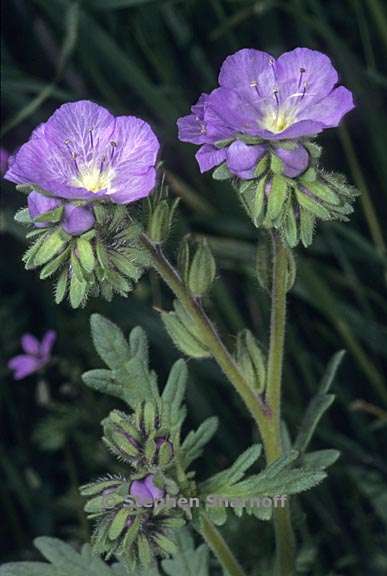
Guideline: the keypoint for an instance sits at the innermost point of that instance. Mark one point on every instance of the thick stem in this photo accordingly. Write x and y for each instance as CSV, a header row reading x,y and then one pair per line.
x,y
220,548
285,541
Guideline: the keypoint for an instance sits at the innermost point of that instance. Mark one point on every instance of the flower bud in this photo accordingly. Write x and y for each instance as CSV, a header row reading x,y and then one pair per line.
x,y
202,270
251,360
160,220
77,219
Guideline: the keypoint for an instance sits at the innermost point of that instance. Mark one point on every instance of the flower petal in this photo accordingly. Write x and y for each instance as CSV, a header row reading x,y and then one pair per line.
x,y
295,161
298,129
136,145
209,156
154,490
227,113
77,219
47,343
331,109
24,365
305,69
82,128
30,344
242,158
250,73
140,492
191,128
130,187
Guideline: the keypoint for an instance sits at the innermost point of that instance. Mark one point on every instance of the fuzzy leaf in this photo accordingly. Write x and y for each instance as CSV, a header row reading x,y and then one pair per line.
x,y
195,441
235,473
187,561
109,341
318,405
64,561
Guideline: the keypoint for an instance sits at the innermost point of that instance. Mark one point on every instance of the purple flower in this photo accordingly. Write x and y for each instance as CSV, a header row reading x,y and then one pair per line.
x,y
4,159
271,100
36,355
145,490
84,152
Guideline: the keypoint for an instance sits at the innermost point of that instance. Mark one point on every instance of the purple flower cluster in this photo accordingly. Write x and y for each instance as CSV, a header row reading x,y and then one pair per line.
x,y
84,153
36,355
261,100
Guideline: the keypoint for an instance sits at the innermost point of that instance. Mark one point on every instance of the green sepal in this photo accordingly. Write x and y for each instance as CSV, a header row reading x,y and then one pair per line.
x,y
53,243
85,254
311,205
61,286
52,216
277,197
222,172
78,291
118,523
23,216
52,266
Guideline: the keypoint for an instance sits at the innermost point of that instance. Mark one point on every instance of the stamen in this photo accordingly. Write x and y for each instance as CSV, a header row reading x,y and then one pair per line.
x,y
91,138
302,72
74,157
275,92
113,148
101,166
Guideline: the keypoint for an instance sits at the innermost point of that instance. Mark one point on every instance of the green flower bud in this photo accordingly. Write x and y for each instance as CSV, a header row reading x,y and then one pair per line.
x,y
251,360
181,328
202,270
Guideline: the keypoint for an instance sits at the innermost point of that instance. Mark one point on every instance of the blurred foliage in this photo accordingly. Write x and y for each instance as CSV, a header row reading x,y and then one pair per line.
x,y
152,59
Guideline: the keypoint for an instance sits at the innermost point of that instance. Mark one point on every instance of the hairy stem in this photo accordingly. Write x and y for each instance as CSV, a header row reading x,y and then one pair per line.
x,y
285,542
220,548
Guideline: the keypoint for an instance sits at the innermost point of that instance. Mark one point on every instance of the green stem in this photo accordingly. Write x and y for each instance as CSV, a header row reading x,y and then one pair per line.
x,y
285,541
219,547
207,331
266,415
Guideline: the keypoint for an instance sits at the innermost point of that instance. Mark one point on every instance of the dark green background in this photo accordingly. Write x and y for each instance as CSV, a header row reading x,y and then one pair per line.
x,y
153,59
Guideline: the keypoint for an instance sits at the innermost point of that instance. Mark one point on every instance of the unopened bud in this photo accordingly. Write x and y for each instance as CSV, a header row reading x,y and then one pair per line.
x,y
202,271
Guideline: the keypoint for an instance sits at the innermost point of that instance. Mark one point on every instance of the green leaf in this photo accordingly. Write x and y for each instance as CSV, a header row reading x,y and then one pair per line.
x,y
174,391
233,474
194,443
318,405
319,460
103,381
64,561
109,341
187,561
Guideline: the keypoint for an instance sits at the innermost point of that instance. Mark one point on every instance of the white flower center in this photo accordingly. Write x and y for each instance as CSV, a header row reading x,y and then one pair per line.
x,y
93,178
278,120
